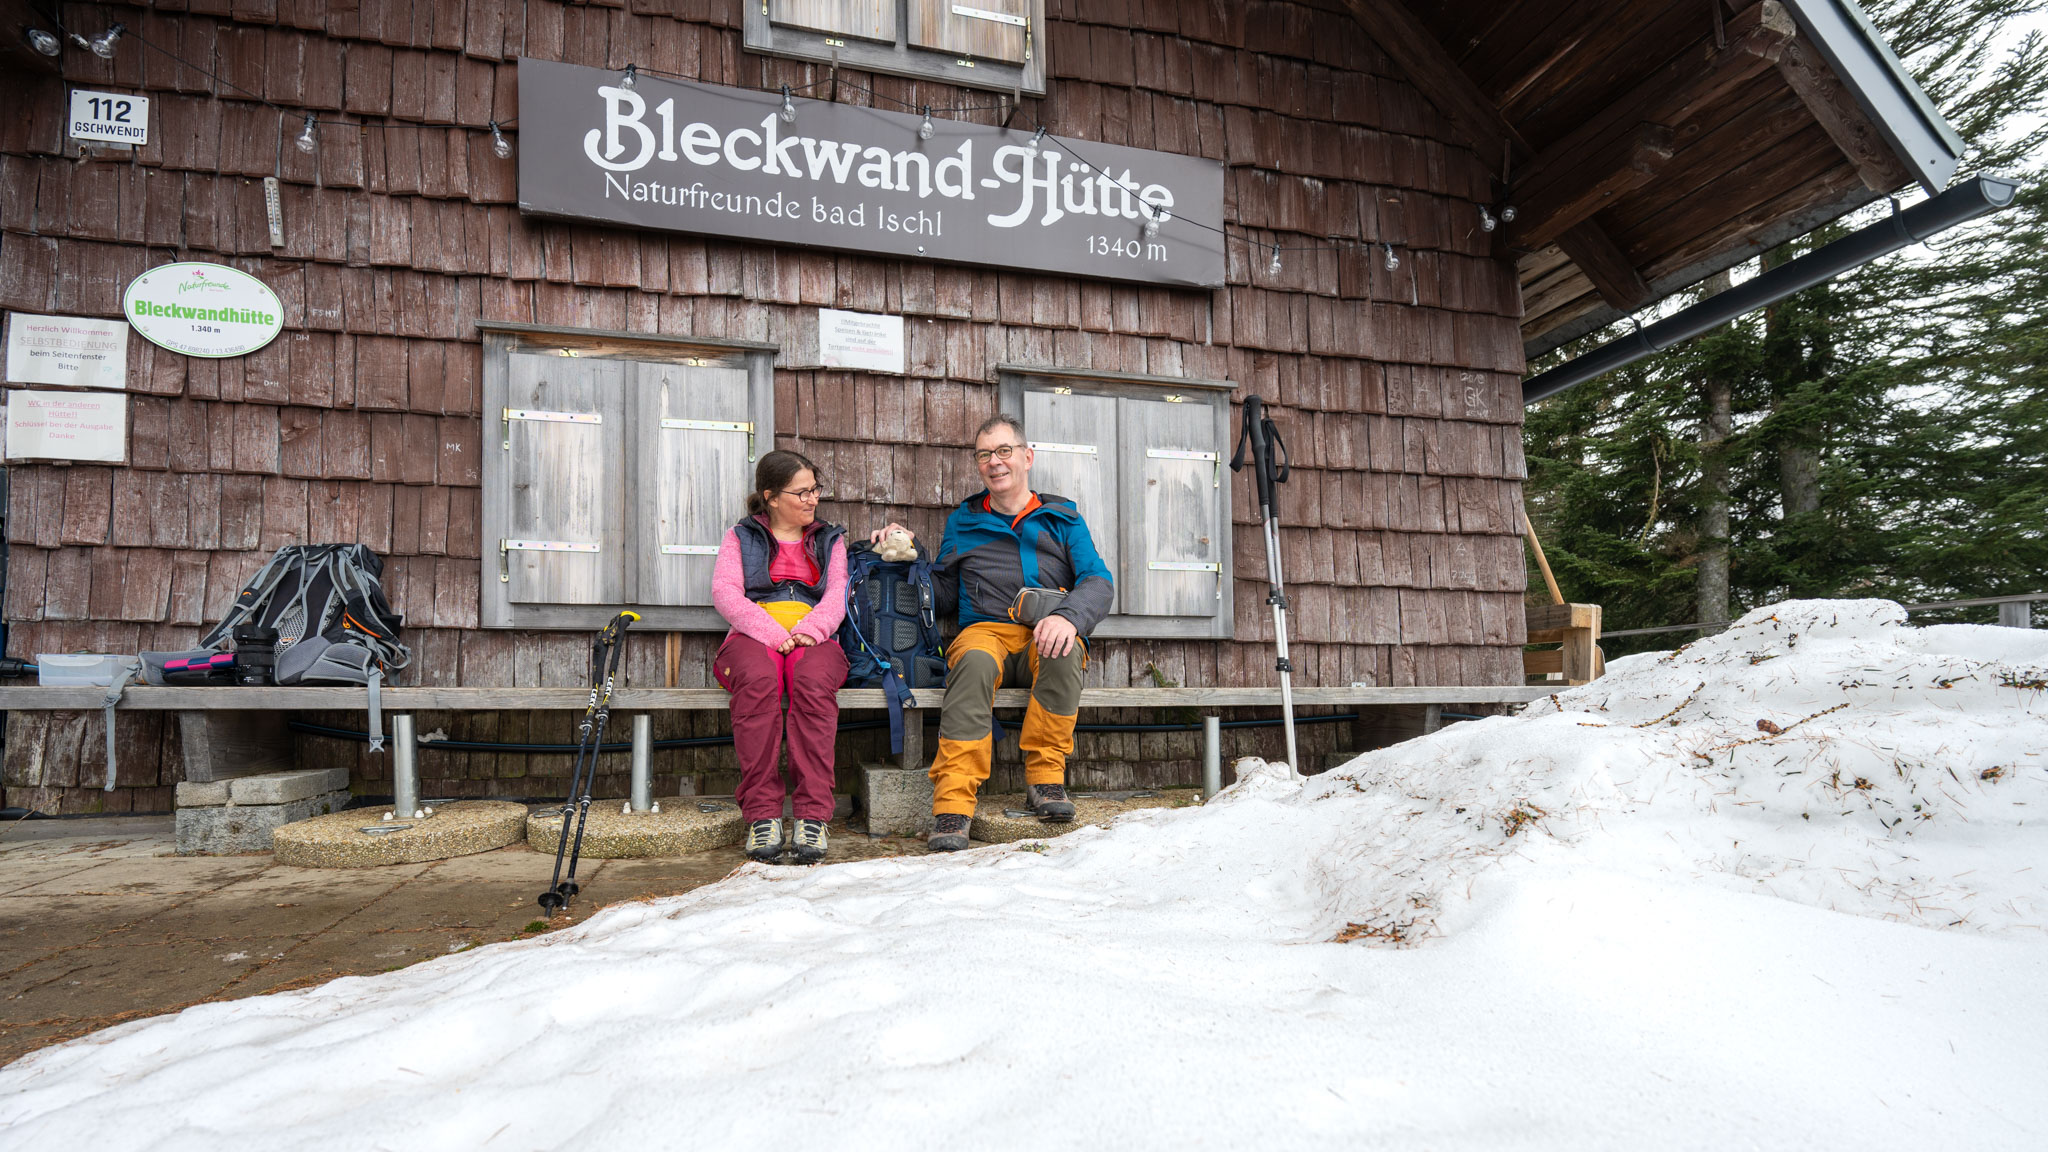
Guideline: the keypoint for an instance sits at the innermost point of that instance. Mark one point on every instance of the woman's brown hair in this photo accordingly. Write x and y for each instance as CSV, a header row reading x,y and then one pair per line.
x,y
775,470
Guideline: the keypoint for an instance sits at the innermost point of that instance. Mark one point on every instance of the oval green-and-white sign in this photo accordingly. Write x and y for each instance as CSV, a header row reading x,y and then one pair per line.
x,y
203,309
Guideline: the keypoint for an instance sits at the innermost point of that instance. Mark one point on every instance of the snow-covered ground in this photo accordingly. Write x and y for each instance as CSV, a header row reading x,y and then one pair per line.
x,y
1635,917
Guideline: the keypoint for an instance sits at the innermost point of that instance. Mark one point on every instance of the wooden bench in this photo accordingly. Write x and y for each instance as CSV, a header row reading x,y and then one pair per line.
x,y
236,731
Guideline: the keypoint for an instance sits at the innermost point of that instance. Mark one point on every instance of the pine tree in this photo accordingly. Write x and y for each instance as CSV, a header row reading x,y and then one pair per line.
x,y
1882,434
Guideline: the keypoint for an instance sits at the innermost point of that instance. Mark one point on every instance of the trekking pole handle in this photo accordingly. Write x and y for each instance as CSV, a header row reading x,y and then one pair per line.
x,y
1258,431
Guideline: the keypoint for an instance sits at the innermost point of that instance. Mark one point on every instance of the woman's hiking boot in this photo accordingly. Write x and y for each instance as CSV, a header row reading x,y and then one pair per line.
x,y
949,832
807,841
764,841
1050,802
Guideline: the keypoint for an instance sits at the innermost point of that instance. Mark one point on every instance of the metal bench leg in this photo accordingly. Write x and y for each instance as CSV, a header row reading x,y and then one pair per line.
x,y
1212,756
405,776
643,756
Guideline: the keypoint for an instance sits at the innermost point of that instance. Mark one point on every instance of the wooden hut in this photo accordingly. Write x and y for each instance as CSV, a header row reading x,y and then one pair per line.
x,y
1367,282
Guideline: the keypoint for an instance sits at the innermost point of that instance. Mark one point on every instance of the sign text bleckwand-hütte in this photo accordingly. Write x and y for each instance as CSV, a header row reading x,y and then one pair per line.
x,y
689,157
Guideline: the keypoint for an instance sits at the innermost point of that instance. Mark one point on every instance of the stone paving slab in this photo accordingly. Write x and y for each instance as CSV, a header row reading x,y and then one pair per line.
x,y
107,924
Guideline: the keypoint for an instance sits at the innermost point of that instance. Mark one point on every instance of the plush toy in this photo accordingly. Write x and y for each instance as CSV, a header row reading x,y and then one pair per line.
x,y
898,545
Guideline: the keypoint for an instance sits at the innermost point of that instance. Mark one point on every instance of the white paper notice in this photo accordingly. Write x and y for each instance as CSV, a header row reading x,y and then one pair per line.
x,y
67,426
67,350
858,340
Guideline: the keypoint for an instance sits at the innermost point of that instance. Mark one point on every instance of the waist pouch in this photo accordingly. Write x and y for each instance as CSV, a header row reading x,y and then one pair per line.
x,y
190,668
1035,604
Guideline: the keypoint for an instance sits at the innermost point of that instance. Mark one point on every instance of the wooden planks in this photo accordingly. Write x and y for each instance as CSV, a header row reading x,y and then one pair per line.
x,y
702,471
567,479
1173,521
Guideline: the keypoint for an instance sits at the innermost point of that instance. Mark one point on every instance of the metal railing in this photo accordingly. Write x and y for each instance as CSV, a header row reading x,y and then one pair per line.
x,y
2021,618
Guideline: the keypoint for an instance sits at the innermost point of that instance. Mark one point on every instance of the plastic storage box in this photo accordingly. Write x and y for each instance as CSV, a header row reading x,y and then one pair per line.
x,y
77,668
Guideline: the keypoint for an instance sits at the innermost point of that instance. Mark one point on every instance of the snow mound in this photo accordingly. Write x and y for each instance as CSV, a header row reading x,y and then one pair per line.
x,y
1817,751
1615,921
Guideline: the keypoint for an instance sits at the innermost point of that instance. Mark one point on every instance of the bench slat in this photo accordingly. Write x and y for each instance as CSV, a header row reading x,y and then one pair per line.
x,y
36,698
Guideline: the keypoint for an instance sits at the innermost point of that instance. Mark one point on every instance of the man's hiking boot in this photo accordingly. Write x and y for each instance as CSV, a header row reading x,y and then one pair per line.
x,y
764,841
949,832
1050,802
807,841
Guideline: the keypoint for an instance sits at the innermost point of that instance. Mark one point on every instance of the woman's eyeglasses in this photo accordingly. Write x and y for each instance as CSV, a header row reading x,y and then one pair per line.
x,y
808,495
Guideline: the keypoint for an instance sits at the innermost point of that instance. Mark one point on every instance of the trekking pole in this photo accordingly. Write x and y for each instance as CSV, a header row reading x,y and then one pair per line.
x,y
605,652
1264,439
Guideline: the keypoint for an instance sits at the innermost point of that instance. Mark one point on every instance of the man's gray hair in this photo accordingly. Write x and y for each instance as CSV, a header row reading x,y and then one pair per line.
x,y
1000,420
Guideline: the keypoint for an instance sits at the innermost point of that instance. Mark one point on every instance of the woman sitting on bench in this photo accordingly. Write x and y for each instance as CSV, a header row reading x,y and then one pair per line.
x,y
781,584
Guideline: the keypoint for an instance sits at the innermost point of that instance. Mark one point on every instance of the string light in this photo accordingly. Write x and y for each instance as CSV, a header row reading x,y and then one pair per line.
x,y
925,131
631,79
1031,149
1486,221
44,42
788,106
1507,213
103,44
499,144
306,140
1151,226
1392,261
1273,265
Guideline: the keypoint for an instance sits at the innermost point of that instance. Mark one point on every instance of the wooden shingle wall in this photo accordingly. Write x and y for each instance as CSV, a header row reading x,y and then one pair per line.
x,y
1397,391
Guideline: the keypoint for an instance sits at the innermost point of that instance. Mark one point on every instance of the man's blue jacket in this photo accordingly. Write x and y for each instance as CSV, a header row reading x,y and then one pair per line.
x,y
986,558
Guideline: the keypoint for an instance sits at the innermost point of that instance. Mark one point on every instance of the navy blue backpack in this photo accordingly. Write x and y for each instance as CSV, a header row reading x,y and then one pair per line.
x,y
891,632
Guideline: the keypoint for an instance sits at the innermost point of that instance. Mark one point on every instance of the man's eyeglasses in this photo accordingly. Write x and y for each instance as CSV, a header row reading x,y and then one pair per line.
x,y
999,452
808,495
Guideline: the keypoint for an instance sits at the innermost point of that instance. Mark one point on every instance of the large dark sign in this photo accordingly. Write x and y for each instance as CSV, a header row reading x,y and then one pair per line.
x,y
726,162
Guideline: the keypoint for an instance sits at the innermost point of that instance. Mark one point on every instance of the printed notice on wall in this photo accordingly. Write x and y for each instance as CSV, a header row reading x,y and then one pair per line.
x,y
858,340
67,426
67,350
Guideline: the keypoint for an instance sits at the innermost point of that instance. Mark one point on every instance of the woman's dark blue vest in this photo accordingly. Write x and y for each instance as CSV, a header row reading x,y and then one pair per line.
x,y
757,550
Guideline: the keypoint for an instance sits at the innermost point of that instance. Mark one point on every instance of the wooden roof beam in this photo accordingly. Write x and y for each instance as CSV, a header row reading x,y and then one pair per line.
x,y
1620,148
1596,255
1841,118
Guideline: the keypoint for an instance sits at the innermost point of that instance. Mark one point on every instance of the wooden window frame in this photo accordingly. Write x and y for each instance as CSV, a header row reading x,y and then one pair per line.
x,y
1014,380
496,609
901,58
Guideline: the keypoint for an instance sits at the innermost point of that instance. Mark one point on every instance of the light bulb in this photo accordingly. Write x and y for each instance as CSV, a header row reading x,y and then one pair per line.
x,y
44,42
1273,265
499,144
1392,261
631,79
1507,213
925,131
788,106
1486,221
306,140
103,44
1031,149
1151,226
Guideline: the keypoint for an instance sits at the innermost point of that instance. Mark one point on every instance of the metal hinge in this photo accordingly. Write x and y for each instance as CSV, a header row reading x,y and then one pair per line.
x,y
512,414
714,426
1080,449
1178,454
507,547
689,549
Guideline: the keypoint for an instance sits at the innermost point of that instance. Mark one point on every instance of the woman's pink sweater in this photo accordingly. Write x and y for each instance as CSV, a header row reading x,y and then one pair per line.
x,y
729,596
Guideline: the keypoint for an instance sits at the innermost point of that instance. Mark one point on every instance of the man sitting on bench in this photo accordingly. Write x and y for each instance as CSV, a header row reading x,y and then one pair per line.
x,y
1029,586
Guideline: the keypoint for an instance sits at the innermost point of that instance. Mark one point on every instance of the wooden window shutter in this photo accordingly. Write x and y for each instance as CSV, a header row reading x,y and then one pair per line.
x,y
564,447
1002,30
1073,438
867,19
697,448
1172,498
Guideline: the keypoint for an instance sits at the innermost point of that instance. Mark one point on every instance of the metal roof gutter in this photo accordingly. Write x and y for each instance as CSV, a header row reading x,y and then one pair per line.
x,y
1881,86
1966,201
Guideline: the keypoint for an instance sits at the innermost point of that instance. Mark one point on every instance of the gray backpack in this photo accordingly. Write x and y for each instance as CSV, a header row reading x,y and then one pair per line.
x,y
326,603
